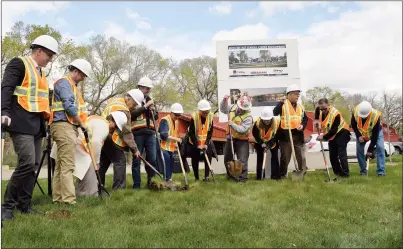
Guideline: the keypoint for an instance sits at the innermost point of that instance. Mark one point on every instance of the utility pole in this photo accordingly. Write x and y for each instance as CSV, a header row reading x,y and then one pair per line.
x,y
387,123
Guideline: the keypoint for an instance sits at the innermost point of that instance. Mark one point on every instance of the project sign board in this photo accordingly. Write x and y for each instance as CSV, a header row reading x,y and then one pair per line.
x,y
262,69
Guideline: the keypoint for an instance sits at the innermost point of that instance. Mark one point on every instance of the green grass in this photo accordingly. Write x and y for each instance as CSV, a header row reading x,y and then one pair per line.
x,y
357,212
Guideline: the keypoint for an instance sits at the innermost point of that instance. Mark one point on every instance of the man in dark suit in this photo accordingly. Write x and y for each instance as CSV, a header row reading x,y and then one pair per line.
x,y
24,109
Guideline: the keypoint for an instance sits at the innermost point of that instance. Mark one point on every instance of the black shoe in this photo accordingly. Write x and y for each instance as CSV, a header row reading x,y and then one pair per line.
x,y
380,175
30,210
206,179
7,214
364,174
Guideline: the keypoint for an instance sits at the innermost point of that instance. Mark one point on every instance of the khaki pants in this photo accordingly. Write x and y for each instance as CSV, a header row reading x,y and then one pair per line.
x,y
286,154
65,136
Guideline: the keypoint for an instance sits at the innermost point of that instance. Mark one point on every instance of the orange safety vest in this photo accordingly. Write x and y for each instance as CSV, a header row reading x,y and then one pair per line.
x,y
78,102
90,132
328,122
117,140
33,93
115,104
201,130
366,130
266,136
168,144
296,116
238,120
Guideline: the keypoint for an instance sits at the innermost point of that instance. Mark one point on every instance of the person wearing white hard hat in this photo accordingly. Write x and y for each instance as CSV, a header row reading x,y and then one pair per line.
x,y
366,123
98,130
169,132
143,129
264,131
240,120
24,110
68,114
296,123
122,139
335,129
198,137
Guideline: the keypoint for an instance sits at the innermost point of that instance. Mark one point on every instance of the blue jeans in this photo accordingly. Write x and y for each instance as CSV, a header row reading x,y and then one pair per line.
x,y
380,156
147,142
169,163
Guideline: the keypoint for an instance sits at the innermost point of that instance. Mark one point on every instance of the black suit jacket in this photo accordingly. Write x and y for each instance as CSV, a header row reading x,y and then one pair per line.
x,y
22,121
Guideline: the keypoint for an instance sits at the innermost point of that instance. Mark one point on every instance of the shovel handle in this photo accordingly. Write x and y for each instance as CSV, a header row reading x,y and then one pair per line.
x,y
290,135
264,161
181,163
208,164
152,167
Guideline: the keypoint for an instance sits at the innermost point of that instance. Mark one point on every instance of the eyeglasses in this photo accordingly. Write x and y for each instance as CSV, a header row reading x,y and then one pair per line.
x,y
48,52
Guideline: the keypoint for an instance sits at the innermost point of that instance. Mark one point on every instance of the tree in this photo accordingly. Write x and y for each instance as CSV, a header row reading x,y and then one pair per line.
x,y
231,58
392,108
264,54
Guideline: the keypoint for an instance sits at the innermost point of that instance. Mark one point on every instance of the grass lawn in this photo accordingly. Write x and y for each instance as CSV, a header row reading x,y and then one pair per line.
x,y
356,212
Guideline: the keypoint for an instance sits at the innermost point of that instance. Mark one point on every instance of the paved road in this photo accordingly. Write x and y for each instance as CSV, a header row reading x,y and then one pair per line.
x,y
314,161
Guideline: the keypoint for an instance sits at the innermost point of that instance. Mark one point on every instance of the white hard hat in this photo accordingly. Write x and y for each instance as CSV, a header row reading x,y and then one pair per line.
x,y
47,42
82,65
145,81
136,95
244,103
267,113
203,105
177,108
364,108
120,119
293,88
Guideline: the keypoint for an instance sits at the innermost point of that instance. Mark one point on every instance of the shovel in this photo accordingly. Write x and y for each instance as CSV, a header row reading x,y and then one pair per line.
x,y
264,162
235,164
100,185
183,169
298,174
324,157
3,137
209,165
367,167
152,167
159,142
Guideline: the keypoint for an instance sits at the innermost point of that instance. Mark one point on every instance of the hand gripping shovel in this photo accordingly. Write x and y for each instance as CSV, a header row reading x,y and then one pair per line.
x,y
298,174
324,157
152,167
183,169
209,165
101,187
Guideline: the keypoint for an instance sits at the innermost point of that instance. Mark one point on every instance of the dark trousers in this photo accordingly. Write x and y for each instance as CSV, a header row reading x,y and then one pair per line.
x,y
195,154
169,163
274,163
147,143
22,182
338,154
111,153
241,149
286,154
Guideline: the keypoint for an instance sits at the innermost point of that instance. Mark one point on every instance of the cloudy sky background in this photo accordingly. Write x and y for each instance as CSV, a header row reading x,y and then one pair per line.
x,y
350,46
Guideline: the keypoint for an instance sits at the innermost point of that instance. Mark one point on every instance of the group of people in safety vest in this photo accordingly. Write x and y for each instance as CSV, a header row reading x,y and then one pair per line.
x,y
128,123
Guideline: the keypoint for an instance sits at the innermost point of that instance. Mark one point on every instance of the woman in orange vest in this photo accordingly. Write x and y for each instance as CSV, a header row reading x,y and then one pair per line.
x,y
169,134
297,123
264,132
335,131
69,113
24,109
199,137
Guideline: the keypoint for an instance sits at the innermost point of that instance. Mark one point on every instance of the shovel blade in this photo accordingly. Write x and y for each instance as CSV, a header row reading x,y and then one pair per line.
x,y
235,167
297,176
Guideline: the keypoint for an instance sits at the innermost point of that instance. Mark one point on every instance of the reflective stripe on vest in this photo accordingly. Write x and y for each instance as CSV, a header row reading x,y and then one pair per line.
x,y
141,122
168,144
33,93
90,132
296,116
117,140
79,103
266,136
201,130
366,130
238,120
328,122
115,104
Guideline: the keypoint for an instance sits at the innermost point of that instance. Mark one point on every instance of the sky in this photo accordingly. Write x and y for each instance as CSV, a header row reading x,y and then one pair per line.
x,y
349,46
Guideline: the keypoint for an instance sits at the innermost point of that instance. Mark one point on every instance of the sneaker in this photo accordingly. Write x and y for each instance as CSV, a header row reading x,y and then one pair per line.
x,y
379,175
206,179
363,174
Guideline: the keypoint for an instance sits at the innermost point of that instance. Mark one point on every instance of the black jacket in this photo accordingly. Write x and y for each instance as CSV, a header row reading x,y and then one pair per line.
x,y
333,129
137,112
283,134
22,121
